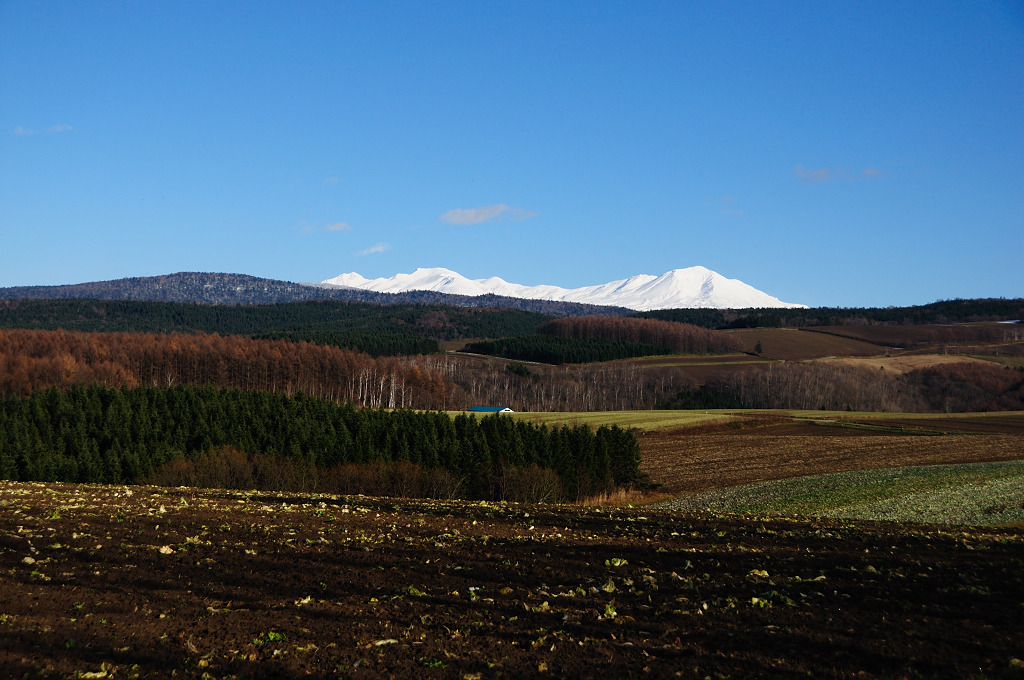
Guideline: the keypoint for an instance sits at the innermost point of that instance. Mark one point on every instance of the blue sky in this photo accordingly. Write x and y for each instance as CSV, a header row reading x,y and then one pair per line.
x,y
849,154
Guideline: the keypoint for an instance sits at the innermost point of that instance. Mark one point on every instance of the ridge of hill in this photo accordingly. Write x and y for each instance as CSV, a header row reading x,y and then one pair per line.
x,y
241,289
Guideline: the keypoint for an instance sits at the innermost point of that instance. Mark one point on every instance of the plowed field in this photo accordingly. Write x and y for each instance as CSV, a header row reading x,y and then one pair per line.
x,y
794,344
108,582
686,460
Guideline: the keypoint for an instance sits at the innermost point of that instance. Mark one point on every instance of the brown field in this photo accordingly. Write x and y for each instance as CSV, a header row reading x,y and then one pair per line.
x,y
793,344
688,459
145,582
701,367
1010,422
908,336
904,363
149,582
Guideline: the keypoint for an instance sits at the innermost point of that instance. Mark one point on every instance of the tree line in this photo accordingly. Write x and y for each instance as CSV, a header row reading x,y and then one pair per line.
x,y
546,349
31,361
102,435
372,328
376,344
615,386
954,387
34,360
940,312
440,321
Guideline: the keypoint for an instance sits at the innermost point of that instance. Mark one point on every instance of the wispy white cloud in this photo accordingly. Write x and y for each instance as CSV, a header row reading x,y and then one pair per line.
x,y
486,214
373,250
24,132
331,180
816,176
819,175
306,228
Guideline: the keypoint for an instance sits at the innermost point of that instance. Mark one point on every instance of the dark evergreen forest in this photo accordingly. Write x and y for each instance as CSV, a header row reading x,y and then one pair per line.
x,y
371,328
101,435
941,312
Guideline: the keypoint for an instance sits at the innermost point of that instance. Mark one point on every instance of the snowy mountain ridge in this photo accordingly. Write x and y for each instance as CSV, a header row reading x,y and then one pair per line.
x,y
689,288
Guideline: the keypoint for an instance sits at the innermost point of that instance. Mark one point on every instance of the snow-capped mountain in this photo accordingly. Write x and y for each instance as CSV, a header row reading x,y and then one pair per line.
x,y
691,287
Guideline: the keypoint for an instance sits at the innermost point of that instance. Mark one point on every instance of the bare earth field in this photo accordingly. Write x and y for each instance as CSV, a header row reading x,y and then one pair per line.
x,y
685,460
1009,422
912,335
794,344
117,582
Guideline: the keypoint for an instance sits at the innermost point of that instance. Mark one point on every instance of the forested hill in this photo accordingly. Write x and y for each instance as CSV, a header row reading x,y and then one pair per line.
x,y
375,329
241,289
942,312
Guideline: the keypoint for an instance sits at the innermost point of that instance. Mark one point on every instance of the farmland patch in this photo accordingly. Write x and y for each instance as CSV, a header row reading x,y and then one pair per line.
x,y
973,494
123,582
793,344
904,363
685,461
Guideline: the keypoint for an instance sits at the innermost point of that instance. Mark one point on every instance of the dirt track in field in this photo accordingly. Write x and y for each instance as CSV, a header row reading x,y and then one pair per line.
x,y
685,460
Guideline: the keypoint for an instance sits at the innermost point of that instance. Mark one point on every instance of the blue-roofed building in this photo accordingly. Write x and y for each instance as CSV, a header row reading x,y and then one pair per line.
x,y
491,409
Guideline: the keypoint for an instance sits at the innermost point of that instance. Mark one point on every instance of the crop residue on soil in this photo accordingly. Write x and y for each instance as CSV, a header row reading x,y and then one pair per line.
x,y
148,582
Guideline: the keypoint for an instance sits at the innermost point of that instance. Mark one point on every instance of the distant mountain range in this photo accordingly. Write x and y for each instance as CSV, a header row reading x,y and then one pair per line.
x,y
690,288
695,287
241,289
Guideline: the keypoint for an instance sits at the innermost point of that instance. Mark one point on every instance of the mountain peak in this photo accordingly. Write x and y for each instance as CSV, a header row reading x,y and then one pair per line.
x,y
690,287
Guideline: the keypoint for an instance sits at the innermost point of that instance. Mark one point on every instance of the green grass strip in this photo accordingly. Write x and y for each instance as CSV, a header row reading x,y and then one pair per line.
x,y
969,494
